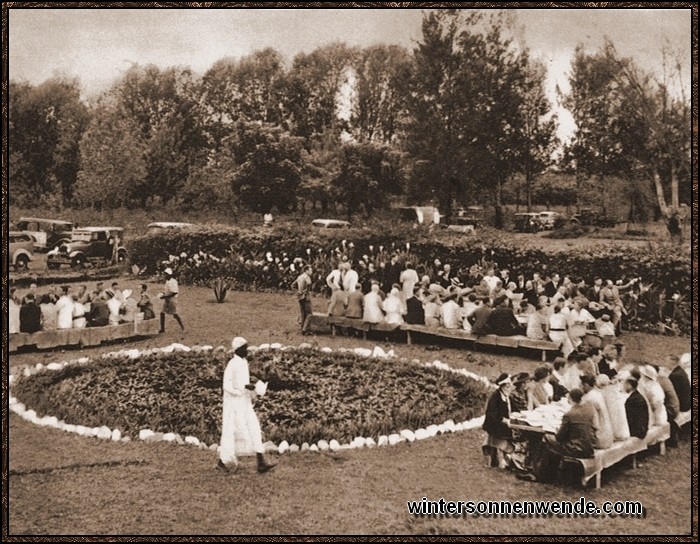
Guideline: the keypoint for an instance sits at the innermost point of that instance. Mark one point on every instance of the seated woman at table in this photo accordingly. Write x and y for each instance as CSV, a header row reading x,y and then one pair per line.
x,y
393,308
432,311
499,442
540,391
559,331
538,324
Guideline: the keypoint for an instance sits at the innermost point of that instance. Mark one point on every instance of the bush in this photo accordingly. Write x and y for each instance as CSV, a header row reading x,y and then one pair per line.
x,y
311,395
270,259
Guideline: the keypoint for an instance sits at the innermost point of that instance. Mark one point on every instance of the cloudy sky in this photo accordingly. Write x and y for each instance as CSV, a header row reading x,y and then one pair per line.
x,y
98,45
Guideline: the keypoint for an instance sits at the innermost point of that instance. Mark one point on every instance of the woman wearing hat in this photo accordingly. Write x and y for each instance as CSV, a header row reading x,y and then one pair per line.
x,y
240,428
499,442
654,395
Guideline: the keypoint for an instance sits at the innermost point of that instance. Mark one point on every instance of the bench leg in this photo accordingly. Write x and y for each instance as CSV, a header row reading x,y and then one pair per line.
x,y
333,332
662,448
598,476
408,338
544,356
364,335
634,460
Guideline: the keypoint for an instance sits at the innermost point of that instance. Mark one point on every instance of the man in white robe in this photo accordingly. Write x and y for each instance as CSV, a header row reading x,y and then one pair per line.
x,y
240,428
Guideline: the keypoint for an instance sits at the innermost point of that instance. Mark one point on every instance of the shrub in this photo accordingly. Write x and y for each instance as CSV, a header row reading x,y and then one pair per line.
x,y
311,395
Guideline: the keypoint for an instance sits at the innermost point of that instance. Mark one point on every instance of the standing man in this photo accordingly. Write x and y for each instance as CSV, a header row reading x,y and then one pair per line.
x,y
303,283
169,296
240,428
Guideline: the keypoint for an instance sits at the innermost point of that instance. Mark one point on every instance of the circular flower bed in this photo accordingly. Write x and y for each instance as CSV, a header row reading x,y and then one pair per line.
x,y
312,396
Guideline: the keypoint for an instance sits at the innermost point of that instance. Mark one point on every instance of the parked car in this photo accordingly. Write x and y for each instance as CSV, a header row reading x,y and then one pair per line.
x,y
471,216
423,215
527,222
21,250
94,245
162,226
330,224
588,217
547,219
47,233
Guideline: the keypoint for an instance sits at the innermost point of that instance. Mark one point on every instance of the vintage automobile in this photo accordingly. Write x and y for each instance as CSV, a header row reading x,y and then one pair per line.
x,y
527,222
93,245
547,219
330,224
47,233
163,226
21,250
423,215
471,216
588,217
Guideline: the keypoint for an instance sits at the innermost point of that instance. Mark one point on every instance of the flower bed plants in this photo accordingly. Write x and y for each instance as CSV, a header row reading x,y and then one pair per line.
x,y
313,396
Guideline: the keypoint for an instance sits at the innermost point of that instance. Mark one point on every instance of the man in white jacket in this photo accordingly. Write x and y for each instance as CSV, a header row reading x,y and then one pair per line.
x,y
240,428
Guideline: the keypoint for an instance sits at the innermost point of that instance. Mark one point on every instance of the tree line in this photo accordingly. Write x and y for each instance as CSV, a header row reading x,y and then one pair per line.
x,y
459,119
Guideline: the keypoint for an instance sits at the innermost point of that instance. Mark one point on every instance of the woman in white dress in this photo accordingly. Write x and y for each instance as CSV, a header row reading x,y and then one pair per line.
x,y
469,306
559,331
14,311
79,320
372,305
408,280
615,402
579,319
393,308
654,395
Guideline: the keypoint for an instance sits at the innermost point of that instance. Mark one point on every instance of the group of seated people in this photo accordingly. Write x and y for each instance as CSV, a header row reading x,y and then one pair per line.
x,y
609,401
553,308
60,308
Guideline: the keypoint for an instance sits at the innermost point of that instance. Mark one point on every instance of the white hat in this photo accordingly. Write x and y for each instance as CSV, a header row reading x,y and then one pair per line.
x,y
126,293
238,342
648,371
168,271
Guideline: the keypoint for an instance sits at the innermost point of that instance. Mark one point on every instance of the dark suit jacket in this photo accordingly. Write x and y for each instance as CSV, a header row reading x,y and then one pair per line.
x,y
354,308
496,410
502,322
637,412
550,288
415,314
577,433
604,368
481,320
681,383
29,317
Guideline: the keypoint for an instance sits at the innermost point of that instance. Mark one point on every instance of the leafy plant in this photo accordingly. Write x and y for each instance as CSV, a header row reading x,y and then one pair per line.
x,y
311,395
221,287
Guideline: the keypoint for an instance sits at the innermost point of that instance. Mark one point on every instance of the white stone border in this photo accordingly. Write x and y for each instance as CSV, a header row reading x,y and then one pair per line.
x,y
147,435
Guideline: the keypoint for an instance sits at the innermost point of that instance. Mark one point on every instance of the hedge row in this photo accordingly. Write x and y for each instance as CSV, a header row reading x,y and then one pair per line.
x,y
661,265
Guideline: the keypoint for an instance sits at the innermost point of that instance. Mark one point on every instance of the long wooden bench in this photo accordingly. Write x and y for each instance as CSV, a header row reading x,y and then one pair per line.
x,y
516,341
593,467
89,336
322,323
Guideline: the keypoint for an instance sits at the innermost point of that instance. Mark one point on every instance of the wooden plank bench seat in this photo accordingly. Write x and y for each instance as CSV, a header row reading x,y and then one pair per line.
x,y
89,336
602,459
516,341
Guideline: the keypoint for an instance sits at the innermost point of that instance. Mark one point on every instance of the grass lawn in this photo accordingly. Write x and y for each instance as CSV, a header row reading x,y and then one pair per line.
x,y
62,483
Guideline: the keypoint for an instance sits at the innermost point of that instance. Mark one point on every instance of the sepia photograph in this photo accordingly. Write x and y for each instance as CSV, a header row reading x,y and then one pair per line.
x,y
370,272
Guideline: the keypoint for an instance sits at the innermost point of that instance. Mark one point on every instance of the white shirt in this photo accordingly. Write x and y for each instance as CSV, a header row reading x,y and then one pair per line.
x,y
114,306
171,287
333,279
350,280
64,310
451,314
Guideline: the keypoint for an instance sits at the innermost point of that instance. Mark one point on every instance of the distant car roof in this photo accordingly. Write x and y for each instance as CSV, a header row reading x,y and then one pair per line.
x,y
527,213
98,229
326,222
168,225
44,220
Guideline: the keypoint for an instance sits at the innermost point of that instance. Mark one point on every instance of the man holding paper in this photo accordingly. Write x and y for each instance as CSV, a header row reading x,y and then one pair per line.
x,y
240,428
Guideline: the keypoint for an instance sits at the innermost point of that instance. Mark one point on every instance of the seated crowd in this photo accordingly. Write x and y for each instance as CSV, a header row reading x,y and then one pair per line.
x,y
552,308
609,401
59,308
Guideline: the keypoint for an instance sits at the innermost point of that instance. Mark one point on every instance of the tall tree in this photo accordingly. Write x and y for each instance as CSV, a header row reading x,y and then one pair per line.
x,y
314,89
382,74
113,157
46,123
628,123
269,167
